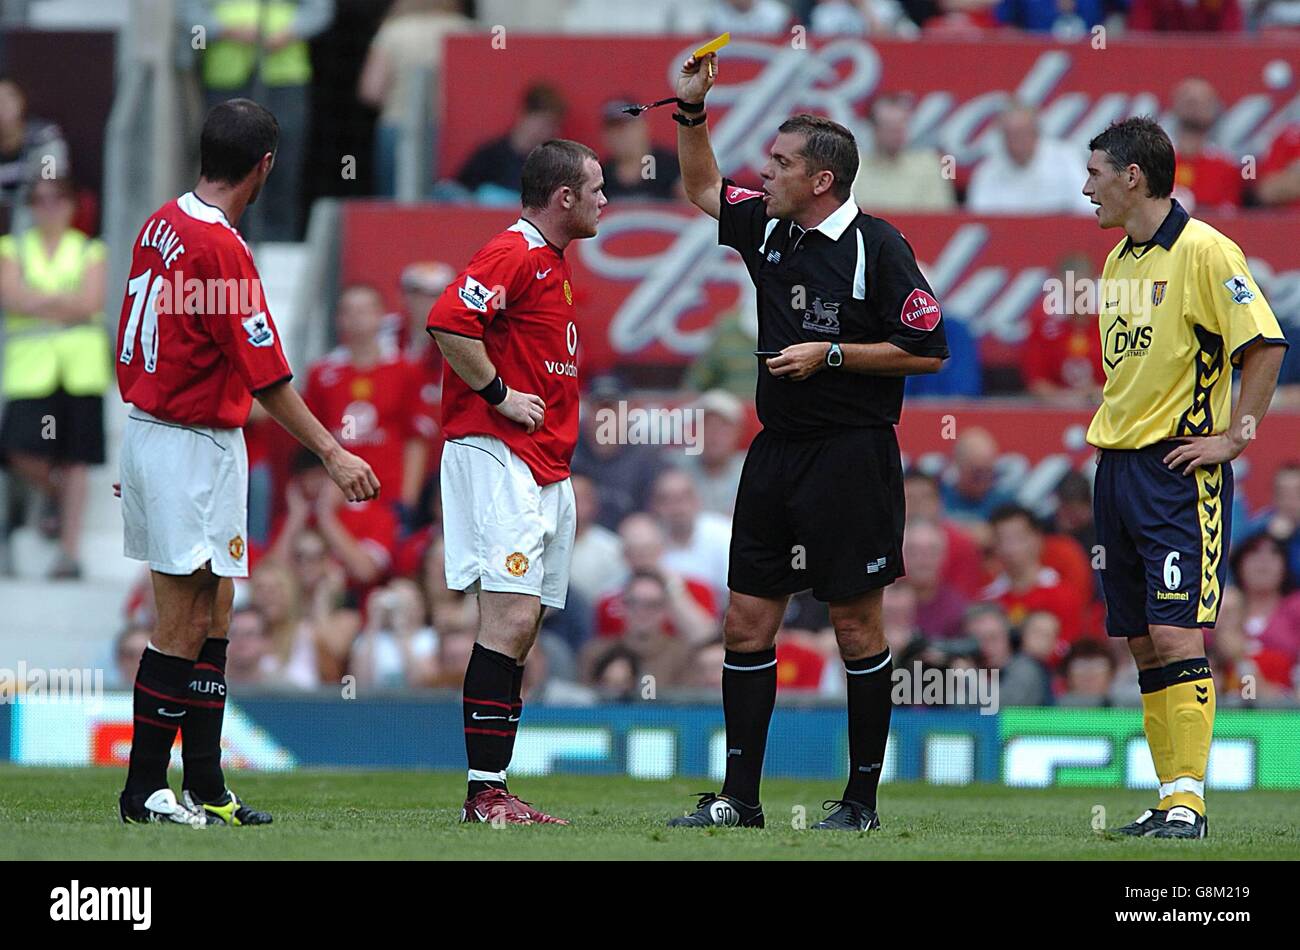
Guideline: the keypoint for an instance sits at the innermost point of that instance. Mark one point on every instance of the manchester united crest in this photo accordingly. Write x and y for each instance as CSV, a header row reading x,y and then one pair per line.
x,y
568,293
517,564
236,547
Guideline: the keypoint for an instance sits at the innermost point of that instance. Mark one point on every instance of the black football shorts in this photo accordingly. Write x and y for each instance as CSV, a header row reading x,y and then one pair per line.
x,y
824,514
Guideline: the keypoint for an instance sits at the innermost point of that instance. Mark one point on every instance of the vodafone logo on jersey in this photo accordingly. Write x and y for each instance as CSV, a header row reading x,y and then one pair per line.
x,y
921,311
735,194
570,368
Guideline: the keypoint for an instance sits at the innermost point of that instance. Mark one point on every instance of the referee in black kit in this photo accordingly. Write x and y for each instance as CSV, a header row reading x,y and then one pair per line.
x,y
843,315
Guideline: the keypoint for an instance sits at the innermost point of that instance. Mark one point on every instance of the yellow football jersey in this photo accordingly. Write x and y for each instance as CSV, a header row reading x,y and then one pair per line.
x,y
1176,314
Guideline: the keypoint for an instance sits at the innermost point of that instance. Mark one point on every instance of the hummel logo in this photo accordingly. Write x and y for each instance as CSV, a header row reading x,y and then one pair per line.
x,y
163,712
1202,695
543,273
506,718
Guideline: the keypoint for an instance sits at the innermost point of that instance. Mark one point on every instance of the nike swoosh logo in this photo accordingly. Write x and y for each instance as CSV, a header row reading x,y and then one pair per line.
x,y
543,273
163,712
506,718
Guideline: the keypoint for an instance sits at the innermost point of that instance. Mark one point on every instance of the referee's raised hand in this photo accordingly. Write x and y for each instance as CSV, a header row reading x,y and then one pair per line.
x,y
694,83
526,409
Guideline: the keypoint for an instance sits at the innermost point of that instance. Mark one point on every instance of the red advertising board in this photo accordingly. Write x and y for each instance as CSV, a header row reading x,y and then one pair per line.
x,y
651,285
959,85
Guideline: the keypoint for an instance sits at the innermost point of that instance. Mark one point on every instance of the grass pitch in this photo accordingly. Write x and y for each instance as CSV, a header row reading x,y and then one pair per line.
x,y
71,814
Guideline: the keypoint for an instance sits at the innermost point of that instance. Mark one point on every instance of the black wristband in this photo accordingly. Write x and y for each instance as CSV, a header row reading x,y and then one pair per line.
x,y
691,107
494,393
688,122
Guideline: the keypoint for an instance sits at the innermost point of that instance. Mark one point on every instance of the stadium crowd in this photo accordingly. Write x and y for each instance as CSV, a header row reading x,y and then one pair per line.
x,y
357,590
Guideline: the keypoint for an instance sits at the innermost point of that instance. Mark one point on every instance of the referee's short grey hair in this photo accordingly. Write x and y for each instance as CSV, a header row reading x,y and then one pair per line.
x,y
827,146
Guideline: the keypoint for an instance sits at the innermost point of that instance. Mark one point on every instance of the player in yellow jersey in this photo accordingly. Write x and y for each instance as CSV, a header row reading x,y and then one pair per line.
x,y
1179,311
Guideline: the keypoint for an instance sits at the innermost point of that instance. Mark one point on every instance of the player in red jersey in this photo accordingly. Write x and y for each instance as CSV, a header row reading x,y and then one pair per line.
x,y
195,345
507,329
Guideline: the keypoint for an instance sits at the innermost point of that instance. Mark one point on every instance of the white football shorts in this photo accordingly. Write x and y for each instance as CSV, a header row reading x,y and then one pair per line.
x,y
184,496
501,530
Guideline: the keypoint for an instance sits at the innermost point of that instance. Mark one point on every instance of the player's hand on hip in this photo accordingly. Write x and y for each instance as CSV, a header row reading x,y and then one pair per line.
x,y
694,81
799,361
1197,451
353,476
524,408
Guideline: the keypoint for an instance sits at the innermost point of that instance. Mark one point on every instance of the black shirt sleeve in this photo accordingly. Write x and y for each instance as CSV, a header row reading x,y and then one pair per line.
x,y
742,220
903,299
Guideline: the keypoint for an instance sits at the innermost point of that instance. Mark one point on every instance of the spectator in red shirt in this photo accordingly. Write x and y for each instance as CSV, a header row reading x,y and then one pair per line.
x,y
361,536
692,610
368,395
647,606
1206,177
1026,584
1186,16
1279,173
1062,356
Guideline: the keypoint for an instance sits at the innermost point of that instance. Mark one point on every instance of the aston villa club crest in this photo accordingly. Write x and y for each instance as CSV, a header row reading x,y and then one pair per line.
x,y
517,564
1158,292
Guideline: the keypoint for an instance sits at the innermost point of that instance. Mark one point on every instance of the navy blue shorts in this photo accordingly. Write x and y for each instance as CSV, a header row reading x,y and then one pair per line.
x,y
1164,538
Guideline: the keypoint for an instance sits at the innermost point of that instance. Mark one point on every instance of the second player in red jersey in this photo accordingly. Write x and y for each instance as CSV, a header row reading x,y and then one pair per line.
x,y
516,296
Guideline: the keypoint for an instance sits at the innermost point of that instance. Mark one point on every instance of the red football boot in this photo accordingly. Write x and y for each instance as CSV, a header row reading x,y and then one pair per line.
x,y
493,805
539,817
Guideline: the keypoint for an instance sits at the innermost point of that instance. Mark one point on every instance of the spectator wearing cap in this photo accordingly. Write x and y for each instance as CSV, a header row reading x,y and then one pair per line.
x,y
634,168
1028,173
716,468
494,171
894,176
623,473
1206,177
408,45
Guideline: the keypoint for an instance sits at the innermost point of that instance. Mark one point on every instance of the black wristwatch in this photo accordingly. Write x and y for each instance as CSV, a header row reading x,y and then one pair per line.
x,y
835,356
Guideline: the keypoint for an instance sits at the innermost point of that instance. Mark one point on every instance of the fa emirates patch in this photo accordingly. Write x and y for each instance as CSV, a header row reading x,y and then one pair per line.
x,y
920,311
259,330
735,194
568,293
236,547
1239,287
517,564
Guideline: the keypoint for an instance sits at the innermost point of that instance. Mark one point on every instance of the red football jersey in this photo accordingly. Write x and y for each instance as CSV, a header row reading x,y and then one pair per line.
x,y
372,412
516,297
195,339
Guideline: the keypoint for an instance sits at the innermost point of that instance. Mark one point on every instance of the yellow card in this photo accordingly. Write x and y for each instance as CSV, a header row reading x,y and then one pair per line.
x,y
713,45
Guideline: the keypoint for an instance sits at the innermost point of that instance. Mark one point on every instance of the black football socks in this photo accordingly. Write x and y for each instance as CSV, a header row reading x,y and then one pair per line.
x,y
161,705
201,727
748,698
490,716
870,705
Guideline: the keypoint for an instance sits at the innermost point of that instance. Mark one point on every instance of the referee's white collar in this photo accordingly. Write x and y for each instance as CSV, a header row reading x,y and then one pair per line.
x,y
837,222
